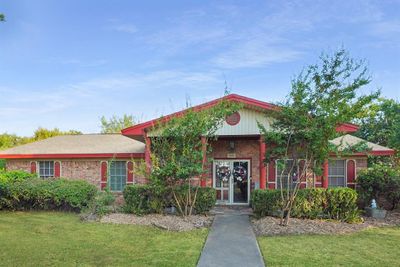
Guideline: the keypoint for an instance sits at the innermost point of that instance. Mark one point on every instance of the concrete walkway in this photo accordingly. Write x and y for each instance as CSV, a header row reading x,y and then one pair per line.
x,y
231,242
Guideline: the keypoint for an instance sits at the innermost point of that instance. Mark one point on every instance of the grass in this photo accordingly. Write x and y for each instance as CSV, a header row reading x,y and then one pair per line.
x,y
372,247
55,238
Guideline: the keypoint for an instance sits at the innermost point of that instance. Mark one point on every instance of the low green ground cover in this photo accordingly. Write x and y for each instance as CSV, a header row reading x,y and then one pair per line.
x,y
61,239
372,247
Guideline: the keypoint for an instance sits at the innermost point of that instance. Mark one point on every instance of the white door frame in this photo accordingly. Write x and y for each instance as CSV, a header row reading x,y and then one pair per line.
x,y
231,183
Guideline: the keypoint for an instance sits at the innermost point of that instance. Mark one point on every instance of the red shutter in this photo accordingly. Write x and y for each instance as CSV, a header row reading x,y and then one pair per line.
x,y
33,167
129,175
103,182
351,173
271,175
57,169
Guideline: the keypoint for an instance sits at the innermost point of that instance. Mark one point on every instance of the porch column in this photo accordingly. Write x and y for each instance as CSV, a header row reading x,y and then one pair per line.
x,y
147,153
263,168
325,182
203,181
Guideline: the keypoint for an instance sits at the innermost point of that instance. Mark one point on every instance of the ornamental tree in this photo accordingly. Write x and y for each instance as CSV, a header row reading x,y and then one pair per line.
x,y
323,96
178,151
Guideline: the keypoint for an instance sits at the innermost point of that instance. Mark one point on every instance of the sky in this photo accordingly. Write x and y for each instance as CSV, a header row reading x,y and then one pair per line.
x,y
66,63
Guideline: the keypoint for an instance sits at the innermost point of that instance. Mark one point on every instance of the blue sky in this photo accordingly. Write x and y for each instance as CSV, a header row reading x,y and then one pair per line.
x,y
66,63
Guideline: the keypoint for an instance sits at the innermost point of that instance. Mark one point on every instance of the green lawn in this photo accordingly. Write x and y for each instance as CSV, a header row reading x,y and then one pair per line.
x,y
53,238
373,247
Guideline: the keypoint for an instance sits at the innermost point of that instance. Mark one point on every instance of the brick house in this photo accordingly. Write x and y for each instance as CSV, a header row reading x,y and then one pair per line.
x,y
235,169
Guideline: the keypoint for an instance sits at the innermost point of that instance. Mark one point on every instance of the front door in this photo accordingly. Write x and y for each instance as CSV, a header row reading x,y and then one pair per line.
x,y
231,179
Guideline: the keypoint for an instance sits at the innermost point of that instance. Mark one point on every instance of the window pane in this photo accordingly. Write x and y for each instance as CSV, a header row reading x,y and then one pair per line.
x,y
117,179
336,175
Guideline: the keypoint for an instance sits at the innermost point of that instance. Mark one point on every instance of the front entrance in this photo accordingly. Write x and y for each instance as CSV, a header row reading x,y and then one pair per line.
x,y
231,179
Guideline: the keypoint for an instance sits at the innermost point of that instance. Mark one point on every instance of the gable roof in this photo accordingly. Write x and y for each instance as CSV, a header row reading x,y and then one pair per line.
x,y
79,146
350,140
140,129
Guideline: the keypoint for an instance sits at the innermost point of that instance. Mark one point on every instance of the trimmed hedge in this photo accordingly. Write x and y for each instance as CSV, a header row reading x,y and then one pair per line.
x,y
51,194
331,203
145,199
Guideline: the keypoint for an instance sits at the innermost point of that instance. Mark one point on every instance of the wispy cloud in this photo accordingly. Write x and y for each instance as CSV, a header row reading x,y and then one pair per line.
x,y
128,28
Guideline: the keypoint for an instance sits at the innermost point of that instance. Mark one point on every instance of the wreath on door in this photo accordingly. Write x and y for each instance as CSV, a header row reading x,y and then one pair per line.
x,y
240,173
223,173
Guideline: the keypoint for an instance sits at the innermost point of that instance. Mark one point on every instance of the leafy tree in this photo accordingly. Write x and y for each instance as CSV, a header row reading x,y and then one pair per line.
x,y
177,151
322,97
116,124
382,124
2,17
43,133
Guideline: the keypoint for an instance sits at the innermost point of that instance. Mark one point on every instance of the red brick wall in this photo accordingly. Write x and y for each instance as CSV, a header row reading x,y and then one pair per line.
x,y
87,169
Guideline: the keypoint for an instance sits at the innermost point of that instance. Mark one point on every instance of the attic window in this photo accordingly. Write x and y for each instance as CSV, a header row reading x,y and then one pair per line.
x,y
46,169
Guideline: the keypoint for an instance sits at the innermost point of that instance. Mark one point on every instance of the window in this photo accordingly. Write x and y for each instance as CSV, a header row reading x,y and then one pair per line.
x,y
283,169
46,169
337,173
117,175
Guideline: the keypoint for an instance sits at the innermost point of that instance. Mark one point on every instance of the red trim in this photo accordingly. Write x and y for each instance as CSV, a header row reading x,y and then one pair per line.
x,y
139,129
104,166
271,172
325,182
129,175
147,153
71,156
57,169
351,171
203,181
347,128
263,168
33,167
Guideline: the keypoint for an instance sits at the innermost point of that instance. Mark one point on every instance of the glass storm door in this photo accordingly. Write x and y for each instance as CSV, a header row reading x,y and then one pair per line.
x,y
231,180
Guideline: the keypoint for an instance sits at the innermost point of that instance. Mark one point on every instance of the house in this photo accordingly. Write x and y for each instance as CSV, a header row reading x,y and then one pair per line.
x,y
237,155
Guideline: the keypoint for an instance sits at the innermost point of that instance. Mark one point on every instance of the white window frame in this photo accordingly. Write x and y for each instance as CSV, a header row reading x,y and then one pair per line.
x,y
50,169
338,176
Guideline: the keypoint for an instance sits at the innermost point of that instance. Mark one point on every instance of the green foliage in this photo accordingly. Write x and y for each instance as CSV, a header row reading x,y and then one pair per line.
x,y
382,124
11,140
332,203
103,203
14,176
323,96
145,199
177,149
52,194
116,124
382,183
203,202
2,17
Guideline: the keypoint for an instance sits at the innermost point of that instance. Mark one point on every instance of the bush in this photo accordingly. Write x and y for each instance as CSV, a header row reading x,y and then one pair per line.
x,y
145,199
12,176
382,183
332,203
52,194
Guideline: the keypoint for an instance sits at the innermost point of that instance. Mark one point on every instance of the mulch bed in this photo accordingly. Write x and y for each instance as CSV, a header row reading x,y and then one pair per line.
x,y
269,226
166,222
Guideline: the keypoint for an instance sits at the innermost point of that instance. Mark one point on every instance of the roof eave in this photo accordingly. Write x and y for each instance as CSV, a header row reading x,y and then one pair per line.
x,y
72,156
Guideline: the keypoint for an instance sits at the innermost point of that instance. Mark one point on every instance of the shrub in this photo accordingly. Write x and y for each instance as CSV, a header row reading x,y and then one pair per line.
x,y
12,176
145,199
382,183
57,194
332,203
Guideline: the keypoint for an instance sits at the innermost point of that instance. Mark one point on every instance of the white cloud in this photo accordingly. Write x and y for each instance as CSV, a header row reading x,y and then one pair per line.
x,y
128,28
